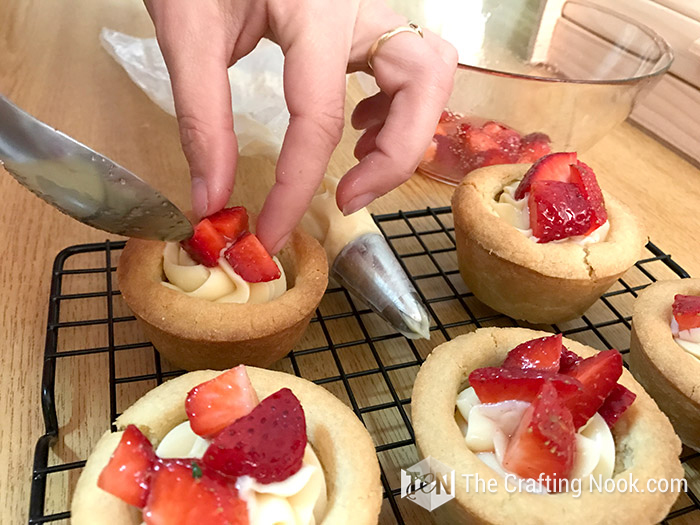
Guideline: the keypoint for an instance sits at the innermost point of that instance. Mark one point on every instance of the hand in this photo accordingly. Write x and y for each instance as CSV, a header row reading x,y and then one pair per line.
x,y
321,41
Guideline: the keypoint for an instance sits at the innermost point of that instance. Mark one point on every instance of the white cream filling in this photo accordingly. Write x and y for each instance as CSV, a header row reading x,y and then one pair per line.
x,y
220,284
300,499
488,427
516,212
688,340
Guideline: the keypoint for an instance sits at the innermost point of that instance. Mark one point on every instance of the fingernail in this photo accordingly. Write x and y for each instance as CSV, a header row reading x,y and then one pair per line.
x,y
358,203
280,244
200,200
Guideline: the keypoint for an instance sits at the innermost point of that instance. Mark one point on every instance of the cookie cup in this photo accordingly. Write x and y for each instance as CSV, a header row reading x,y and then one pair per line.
x,y
645,445
195,333
669,373
340,441
540,283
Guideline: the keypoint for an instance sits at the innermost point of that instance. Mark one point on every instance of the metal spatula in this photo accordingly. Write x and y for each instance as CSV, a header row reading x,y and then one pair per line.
x,y
82,183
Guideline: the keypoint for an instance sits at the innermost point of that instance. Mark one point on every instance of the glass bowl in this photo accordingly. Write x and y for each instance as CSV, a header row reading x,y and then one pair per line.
x,y
536,76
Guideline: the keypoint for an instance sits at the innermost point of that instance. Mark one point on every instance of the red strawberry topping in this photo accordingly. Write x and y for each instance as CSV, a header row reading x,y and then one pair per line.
x,y
533,147
230,222
206,244
128,472
582,175
616,403
543,354
215,404
267,444
493,384
554,167
686,311
568,361
558,210
249,259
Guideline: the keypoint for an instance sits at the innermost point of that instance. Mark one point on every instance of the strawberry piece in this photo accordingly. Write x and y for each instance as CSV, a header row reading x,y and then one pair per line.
x,y
477,140
542,354
568,360
267,444
215,404
686,311
230,222
249,259
558,210
493,384
494,156
553,167
544,443
186,492
447,116
128,472
582,175
619,400
206,244
598,375
533,147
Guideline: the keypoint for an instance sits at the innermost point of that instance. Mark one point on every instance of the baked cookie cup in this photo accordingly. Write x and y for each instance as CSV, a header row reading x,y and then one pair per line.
x,y
540,283
646,448
194,333
340,441
669,373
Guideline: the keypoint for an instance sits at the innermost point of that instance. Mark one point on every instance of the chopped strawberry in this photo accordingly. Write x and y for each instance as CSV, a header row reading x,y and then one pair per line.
x,y
477,140
230,222
493,384
533,147
558,210
186,492
553,167
206,244
249,258
544,443
598,375
448,116
215,404
568,360
128,472
543,354
616,403
493,128
686,311
495,156
582,175
267,444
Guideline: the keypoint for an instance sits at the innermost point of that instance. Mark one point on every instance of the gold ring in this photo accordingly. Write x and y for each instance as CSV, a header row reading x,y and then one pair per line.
x,y
410,27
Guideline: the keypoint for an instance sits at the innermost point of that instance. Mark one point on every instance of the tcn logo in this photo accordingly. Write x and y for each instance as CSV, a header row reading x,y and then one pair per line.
x,y
428,483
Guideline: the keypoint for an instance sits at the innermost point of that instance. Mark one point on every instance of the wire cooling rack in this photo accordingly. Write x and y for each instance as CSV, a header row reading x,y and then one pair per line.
x,y
97,361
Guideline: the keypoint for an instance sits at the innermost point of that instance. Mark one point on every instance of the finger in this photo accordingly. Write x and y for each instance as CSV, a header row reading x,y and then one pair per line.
x,y
367,142
370,111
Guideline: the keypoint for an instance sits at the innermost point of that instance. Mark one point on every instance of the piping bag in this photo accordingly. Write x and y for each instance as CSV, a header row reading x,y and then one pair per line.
x,y
359,257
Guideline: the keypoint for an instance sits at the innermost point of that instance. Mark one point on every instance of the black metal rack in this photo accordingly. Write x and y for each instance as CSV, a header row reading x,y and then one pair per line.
x,y
347,349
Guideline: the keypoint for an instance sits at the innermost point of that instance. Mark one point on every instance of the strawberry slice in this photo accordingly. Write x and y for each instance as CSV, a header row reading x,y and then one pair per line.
x,y
616,403
215,404
544,442
543,354
477,140
686,311
568,360
206,244
249,259
186,492
598,375
553,167
128,472
267,444
230,222
495,156
558,210
582,175
533,147
493,384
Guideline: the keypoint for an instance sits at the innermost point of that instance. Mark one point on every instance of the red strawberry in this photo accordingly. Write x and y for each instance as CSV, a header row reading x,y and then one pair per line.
x,y
267,444
543,354
583,176
128,473
477,140
558,210
533,147
598,375
544,442
493,128
553,167
206,244
616,403
186,492
230,222
686,311
249,259
494,156
568,361
493,384
215,404
447,116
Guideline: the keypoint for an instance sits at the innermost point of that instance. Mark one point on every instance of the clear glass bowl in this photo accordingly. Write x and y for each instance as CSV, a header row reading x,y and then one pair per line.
x,y
568,70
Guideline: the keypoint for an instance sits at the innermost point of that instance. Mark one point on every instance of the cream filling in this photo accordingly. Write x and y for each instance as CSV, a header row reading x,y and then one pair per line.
x,y
516,212
220,284
488,427
688,340
327,224
300,499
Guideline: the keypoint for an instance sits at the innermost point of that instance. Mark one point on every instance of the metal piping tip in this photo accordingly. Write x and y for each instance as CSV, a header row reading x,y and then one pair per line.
x,y
368,268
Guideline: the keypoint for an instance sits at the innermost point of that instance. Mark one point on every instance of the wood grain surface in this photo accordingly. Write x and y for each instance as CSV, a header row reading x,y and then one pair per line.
x,y
52,65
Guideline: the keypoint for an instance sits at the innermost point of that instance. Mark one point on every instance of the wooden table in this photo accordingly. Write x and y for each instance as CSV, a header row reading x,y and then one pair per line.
x,y
52,65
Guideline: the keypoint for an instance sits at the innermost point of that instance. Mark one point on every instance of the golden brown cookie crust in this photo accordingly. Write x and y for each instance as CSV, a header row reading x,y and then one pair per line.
x,y
646,446
669,373
339,439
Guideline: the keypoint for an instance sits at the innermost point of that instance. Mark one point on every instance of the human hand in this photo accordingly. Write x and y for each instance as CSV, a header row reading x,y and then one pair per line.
x,y
321,41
